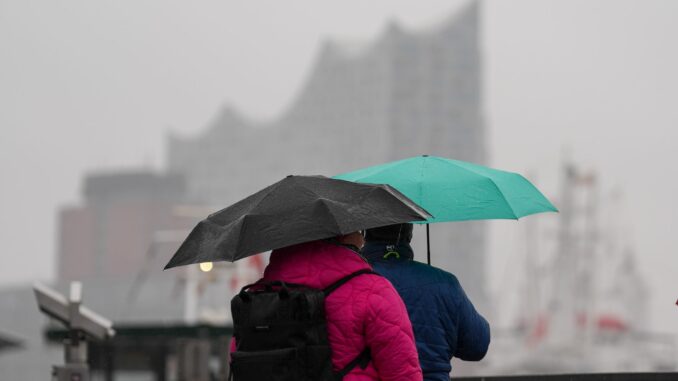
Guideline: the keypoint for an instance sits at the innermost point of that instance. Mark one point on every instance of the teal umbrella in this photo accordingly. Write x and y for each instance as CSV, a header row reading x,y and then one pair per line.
x,y
454,190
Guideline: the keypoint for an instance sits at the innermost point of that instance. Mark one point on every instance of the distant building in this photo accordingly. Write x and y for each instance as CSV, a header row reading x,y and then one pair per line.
x,y
111,243
405,94
110,234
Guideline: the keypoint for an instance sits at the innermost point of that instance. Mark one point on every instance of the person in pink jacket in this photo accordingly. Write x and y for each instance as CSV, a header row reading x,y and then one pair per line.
x,y
365,312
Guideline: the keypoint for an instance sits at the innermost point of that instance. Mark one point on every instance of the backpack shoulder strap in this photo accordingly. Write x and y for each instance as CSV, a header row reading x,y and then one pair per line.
x,y
329,289
362,360
365,356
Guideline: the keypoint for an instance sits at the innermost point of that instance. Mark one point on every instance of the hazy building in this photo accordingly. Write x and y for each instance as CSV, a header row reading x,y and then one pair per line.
x,y
110,242
405,94
111,232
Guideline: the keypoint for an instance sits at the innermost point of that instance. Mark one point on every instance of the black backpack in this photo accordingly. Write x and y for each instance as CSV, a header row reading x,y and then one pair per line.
x,y
281,333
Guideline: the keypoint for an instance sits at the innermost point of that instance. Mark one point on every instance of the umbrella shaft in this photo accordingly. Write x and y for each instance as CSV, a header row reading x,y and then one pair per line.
x,y
428,245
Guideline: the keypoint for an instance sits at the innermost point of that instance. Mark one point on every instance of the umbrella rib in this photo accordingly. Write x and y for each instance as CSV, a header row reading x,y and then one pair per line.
x,y
324,203
273,187
267,195
243,221
515,215
302,185
394,192
493,184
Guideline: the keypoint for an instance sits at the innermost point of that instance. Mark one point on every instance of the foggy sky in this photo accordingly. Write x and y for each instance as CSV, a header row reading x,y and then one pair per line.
x,y
88,86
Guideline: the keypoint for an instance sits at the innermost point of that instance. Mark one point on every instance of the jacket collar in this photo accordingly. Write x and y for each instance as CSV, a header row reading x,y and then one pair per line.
x,y
384,251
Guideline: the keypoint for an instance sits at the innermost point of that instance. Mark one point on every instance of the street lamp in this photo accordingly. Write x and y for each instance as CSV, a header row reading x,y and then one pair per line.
x,y
206,266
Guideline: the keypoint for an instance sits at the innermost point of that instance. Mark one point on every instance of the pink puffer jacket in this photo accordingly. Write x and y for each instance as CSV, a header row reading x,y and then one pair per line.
x,y
366,311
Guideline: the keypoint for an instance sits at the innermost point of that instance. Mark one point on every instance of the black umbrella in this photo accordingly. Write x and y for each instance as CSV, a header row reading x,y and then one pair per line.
x,y
294,210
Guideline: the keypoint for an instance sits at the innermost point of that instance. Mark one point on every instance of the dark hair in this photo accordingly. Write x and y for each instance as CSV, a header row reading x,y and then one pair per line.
x,y
398,233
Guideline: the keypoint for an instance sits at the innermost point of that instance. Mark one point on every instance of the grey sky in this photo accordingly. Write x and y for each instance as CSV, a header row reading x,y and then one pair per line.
x,y
88,85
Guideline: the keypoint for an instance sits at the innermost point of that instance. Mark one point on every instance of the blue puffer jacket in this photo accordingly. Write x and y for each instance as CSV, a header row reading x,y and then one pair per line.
x,y
444,320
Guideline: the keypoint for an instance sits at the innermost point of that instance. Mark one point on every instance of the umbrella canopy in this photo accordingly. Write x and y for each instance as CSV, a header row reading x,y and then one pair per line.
x,y
294,210
454,190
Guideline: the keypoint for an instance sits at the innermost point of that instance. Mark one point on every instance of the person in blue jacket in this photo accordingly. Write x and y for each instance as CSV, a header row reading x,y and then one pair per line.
x,y
444,321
